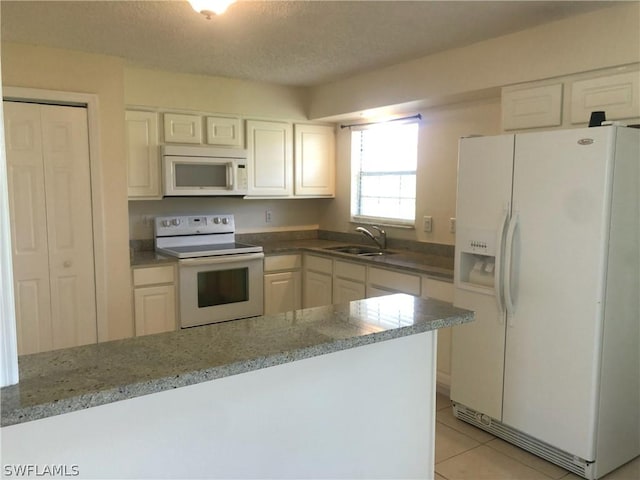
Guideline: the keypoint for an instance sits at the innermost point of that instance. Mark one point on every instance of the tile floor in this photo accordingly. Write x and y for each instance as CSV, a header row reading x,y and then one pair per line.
x,y
464,452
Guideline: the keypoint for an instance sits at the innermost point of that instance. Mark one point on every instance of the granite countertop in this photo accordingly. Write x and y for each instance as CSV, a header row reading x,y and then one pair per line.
x,y
62,381
431,263
408,260
147,258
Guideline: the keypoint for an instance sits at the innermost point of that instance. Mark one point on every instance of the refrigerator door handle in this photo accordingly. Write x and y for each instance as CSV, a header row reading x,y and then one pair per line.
x,y
499,273
513,223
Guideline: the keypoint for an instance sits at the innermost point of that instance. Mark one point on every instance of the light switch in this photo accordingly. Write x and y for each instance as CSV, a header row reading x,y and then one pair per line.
x,y
427,224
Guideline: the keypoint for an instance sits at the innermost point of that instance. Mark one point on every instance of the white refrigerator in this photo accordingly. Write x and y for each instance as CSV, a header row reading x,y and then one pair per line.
x,y
548,256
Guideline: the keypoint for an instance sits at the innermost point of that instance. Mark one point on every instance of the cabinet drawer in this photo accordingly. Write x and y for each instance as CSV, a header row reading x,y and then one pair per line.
x,y
282,262
350,271
318,264
394,281
153,275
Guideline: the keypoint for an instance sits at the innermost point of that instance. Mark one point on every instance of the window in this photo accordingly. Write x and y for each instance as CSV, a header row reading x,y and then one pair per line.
x,y
383,169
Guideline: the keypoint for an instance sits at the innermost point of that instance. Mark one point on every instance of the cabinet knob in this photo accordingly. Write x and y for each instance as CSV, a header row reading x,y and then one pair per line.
x,y
67,263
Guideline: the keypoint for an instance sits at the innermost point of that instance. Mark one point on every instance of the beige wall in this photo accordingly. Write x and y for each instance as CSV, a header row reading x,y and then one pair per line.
x,y
437,168
286,215
53,69
156,88
604,38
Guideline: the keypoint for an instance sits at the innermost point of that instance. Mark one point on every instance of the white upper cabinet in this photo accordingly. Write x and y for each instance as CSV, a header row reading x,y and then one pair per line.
x,y
180,128
225,131
565,102
270,158
616,95
143,156
314,160
532,107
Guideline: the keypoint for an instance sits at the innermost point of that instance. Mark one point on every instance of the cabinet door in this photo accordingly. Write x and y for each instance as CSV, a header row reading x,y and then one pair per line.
x,y
143,158
155,309
392,282
270,159
617,95
532,107
224,131
347,290
182,128
282,292
314,161
317,289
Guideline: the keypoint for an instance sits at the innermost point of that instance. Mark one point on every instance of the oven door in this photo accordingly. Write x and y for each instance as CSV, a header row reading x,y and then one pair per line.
x,y
219,288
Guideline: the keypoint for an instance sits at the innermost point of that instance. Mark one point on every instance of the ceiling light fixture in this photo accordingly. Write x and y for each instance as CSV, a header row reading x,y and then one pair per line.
x,y
210,7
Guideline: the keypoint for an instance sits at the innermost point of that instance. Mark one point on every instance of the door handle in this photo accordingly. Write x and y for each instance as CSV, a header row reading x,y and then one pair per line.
x,y
508,265
497,274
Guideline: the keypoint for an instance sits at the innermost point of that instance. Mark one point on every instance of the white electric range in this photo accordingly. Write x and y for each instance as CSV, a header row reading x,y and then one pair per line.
x,y
219,279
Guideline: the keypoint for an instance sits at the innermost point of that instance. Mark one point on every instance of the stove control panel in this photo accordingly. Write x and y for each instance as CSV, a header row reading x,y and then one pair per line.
x,y
194,225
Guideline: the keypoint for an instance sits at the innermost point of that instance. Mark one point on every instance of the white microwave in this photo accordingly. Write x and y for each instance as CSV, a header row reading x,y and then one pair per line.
x,y
203,171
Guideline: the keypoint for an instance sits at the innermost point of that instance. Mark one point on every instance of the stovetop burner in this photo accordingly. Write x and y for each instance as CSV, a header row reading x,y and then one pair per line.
x,y
209,250
199,236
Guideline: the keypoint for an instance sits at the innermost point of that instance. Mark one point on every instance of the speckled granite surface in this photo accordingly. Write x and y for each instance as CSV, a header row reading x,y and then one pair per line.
x,y
410,261
429,259
63,381
148,258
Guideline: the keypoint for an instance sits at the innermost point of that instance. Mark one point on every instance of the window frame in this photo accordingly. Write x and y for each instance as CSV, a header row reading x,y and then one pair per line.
x,y
355,182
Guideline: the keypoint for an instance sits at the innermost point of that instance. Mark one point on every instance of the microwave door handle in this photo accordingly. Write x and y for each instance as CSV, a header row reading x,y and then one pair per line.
x,y
230,176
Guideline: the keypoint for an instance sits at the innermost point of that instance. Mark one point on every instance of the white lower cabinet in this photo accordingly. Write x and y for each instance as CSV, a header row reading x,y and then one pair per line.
x,y
154,297
381,281
328,281
282,283
318,281
347,290
348,281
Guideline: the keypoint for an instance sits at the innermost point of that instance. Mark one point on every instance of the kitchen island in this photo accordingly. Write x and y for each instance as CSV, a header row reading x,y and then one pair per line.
x,y
342,391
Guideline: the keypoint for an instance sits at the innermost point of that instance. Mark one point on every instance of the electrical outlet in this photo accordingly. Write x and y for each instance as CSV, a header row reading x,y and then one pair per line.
x,y
267,216
452,225
427,224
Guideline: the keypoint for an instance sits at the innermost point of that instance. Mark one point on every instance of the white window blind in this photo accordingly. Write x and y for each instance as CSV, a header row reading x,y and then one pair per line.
x,y
383,167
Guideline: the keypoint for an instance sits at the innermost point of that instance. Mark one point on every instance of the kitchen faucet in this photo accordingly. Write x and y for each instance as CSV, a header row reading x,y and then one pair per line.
x,y
380,240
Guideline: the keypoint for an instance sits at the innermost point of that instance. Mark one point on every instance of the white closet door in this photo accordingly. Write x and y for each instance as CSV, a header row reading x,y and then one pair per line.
x,y
50,199
25,172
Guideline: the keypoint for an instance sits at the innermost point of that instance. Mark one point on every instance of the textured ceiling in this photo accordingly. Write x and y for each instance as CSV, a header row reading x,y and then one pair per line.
x,y
300,43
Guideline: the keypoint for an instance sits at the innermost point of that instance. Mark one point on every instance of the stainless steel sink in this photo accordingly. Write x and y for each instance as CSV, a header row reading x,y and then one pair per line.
x,y
359,250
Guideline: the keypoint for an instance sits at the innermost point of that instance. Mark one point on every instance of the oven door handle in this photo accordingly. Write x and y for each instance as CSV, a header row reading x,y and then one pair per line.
x,y
220,259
